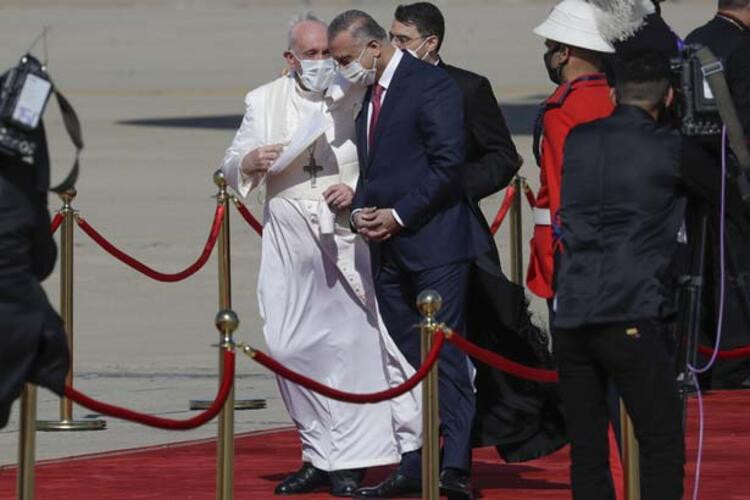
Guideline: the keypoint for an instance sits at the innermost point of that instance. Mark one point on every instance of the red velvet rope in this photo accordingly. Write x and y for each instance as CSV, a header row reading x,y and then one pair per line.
x,y
248,216
163,423
529,195
740,352
143,268
510,194
504,364
56,221
349,397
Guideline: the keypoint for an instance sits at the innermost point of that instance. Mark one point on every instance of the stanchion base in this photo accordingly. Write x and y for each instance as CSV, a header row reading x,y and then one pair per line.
x,y
70,425
239,404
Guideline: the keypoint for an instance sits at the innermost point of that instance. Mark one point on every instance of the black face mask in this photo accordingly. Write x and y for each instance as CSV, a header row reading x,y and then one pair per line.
x,y
555,74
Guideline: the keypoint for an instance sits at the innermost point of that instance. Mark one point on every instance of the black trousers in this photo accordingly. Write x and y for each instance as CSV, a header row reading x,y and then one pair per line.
x,y
634,356
397,290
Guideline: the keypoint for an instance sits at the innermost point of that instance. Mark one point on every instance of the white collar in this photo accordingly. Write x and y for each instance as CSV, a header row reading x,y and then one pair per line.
x,y
390,70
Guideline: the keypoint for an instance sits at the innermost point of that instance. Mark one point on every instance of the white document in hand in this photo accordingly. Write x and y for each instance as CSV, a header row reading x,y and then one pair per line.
x,y
307,132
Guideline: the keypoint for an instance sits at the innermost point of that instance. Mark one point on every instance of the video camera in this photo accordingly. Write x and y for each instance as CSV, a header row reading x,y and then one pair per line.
x,y
24,93
23,96
696,106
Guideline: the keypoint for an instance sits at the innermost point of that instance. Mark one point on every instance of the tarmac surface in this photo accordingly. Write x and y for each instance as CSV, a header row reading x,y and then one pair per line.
x,y
159,87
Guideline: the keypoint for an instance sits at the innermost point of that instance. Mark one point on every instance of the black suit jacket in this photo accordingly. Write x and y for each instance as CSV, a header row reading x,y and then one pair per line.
x,y
491,157
522,419
625,186
414,166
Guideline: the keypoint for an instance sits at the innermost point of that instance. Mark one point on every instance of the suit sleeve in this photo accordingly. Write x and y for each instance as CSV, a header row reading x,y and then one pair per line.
x,y
441,125
500,160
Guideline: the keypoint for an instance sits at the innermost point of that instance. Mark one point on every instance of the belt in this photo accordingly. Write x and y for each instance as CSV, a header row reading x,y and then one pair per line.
x,y
542,217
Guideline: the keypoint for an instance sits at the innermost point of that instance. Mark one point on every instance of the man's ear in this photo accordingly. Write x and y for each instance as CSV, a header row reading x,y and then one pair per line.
x,y
613,95
376,46
291,61
432,44
564,54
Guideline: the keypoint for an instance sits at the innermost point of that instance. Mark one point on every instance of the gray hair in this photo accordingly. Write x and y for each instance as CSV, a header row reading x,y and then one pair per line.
x,y
296,21
361,25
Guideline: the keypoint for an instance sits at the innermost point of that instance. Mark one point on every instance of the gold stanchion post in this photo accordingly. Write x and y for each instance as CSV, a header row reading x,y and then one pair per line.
x,y
630,456
429,303
66,422
225,287
226,322
516,234
26,444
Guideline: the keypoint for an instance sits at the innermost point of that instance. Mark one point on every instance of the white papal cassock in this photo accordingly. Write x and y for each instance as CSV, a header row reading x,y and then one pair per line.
x,y
315,290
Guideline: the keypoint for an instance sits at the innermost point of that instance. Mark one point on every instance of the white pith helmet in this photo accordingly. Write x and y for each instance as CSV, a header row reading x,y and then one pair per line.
x,y
574,23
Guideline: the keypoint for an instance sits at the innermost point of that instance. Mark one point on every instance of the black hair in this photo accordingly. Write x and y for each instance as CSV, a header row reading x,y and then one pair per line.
x,y
425,16
643,77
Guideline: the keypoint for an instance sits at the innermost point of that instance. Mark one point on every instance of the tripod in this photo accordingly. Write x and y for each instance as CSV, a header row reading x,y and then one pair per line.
x,y
689,318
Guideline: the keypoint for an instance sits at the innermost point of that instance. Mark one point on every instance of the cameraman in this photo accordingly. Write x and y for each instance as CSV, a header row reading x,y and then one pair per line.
x,y
33,347
624,187
728,37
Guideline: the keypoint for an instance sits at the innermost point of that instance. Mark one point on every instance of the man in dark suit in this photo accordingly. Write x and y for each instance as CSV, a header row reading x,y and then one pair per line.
x,y
520,418
421,228
33,347
728,37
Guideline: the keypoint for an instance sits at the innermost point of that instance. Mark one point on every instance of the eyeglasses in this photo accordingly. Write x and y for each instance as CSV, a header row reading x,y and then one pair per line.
x,y
403,39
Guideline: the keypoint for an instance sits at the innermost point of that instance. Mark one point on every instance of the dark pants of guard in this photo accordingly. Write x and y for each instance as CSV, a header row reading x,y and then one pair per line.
x,y
397,291
634,356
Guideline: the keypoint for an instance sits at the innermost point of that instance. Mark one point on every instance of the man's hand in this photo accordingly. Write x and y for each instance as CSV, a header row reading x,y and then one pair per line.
x,y
339,197
259,160
376,224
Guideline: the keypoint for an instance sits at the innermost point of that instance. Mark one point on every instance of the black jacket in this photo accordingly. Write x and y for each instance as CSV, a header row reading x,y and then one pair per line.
x,y
624,194
729,40
521,418
33,347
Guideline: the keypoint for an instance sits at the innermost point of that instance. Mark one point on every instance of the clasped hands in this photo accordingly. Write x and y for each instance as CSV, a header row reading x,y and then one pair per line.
x,y
376,224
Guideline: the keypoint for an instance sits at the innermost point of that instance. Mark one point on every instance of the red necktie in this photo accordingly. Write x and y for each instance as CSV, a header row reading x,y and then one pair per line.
x,y
377,102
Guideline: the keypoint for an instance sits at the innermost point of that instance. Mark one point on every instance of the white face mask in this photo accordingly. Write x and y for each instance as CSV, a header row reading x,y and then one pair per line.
x,y
317,74
357,74
414,52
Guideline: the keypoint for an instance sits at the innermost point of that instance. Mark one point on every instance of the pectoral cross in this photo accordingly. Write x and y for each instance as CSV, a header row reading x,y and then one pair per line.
x,y
312,168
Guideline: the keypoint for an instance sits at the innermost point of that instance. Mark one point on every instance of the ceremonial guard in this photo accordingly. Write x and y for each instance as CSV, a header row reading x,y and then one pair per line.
x,y
574,61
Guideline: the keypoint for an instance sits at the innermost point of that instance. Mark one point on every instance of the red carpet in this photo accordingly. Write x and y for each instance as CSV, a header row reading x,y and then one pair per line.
x,y
186,471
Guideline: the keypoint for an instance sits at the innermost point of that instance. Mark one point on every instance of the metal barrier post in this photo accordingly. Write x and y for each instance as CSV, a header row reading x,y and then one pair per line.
x,y
429,303
225,287
630,456
516,234
226,322
66,422
26,444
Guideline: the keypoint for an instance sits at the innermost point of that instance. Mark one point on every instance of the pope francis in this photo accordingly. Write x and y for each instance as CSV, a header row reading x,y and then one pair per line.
x,y
315,287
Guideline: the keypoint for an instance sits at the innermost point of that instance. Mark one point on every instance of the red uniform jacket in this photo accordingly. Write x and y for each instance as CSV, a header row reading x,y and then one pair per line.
x,y
582,100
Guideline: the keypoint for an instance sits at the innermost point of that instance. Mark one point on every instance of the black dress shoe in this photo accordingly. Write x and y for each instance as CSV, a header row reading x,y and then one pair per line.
x,y
455,484
308,478
397,485
345,482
